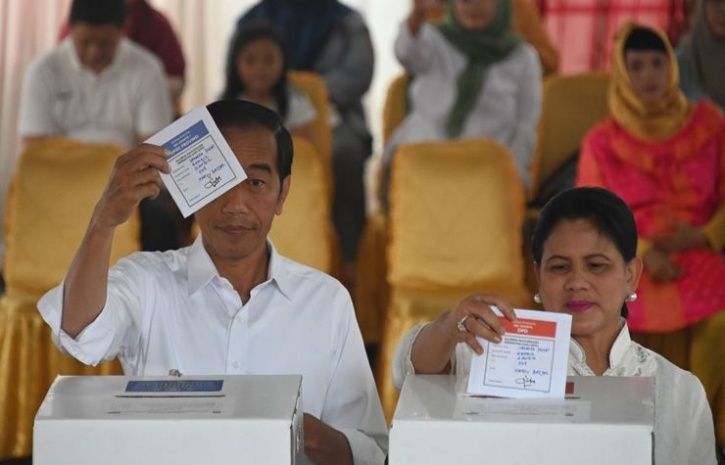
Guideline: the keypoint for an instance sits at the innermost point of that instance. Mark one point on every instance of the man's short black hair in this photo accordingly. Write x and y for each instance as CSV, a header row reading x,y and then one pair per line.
x,y
243,114
98,12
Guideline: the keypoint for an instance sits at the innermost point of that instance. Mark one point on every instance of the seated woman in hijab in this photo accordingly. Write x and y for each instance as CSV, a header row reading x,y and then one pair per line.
x,y
472,77
701,54
666,158
584,249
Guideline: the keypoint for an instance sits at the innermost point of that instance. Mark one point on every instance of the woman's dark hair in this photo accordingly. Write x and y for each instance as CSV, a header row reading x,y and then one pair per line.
x,y
98,12
243,36
243,114
643,39
602,208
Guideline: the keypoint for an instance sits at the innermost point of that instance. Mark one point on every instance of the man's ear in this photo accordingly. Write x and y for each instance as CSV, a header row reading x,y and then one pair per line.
x,y
283,194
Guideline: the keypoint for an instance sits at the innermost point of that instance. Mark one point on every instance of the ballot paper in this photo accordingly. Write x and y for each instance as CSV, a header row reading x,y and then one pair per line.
x,y
203,166
530,361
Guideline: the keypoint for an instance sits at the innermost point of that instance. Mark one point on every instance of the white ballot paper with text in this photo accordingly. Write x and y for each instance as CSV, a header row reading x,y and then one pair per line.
x,y
529,362
203,166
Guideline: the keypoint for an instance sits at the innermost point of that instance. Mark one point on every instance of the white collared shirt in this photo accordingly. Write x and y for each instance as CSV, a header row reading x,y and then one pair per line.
x,y
172,310
684,432
126,100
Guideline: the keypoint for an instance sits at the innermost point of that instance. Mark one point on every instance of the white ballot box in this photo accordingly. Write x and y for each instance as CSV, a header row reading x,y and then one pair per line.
x,y
119,420
603,420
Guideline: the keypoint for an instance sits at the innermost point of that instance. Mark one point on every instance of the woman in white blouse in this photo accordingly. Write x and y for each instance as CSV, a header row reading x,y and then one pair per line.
x,y
472,77
584,248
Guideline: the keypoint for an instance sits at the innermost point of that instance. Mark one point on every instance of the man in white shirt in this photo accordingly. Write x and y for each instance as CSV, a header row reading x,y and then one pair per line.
x,y
229,304
96,85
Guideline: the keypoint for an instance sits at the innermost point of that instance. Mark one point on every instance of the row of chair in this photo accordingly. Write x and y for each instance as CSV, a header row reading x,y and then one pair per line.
x,y
444,237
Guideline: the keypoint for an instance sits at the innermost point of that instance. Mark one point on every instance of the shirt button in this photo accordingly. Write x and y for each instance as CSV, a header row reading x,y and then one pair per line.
x,y
235,365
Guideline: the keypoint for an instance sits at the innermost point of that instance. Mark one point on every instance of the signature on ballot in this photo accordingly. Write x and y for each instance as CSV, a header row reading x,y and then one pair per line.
x,y
212,182
526,381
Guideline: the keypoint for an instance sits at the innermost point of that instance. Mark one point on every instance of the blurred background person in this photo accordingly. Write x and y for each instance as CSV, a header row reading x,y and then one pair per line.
x,y
256,70
332,40
701,54
148,27
472,77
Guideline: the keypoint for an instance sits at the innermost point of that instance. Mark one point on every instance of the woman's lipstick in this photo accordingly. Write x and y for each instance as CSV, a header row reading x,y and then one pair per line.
x,y
578,305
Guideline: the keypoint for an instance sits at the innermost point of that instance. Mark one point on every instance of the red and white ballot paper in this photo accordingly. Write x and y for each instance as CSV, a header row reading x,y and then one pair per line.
x,y
531,360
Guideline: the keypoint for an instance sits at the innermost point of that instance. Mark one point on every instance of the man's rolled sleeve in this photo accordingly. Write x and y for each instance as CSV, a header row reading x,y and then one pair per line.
x,y
103,339
93,345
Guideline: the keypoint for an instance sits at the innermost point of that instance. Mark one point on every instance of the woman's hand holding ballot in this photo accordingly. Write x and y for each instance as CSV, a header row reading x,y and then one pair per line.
x,y
472,317
135,176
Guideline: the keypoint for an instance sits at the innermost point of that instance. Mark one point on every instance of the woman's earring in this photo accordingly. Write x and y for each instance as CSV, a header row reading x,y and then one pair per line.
x,y
631,297
537,298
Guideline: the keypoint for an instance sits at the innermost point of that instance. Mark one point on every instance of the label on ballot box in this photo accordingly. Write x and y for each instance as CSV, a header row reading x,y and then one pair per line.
x,y
203,166
529,362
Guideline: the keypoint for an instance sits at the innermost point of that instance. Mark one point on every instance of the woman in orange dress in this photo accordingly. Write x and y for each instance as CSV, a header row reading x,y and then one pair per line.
x,y
665,157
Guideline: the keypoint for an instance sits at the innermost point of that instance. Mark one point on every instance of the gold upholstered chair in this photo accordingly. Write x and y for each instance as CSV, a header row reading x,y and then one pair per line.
x,y
304,231
371,291
315,89
456,211
52,195
395,106
570,106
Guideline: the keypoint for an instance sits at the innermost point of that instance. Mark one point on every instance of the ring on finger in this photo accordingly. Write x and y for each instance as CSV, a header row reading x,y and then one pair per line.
x,y
461,325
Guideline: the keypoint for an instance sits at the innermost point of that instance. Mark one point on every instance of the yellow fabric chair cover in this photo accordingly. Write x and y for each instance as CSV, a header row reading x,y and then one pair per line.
x,y
396,105
314,87
56,185
571,105
372,291
29,362
456,211
303,231
55,188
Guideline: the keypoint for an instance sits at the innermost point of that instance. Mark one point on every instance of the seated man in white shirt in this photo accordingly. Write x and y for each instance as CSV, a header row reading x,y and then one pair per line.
x,y
228,304
97,86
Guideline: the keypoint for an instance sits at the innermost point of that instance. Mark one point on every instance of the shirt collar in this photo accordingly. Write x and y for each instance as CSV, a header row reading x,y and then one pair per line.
x,y
201,269
616,354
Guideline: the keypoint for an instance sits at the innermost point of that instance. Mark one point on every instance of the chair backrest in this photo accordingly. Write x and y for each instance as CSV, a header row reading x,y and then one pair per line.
x,y
303,232
314,87
571,106
55,187
456,213
396,105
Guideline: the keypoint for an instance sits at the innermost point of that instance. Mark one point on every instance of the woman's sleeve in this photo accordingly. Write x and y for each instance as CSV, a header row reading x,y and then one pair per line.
x,y
415,53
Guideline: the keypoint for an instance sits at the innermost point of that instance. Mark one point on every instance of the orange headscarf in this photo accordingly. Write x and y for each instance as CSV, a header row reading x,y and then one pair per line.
x,y
656,121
